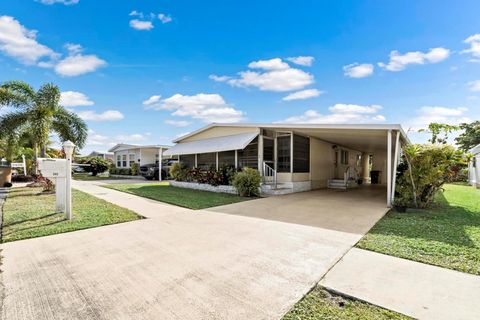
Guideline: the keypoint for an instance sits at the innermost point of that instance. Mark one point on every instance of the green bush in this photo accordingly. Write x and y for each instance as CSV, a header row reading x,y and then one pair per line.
x,y
121,171
247,182
134,169
96,165
178,171
423,171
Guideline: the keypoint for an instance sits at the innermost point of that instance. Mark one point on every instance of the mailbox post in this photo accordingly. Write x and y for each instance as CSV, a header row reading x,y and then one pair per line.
x,y
68,147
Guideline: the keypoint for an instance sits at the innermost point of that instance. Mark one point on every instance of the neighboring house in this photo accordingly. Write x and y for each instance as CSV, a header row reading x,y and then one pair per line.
x,y
474,167
101,154
124,155
298,157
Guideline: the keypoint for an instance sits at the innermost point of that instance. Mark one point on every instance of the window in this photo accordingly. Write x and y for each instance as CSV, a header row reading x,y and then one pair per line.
x,y
344,157
226,158
119,161
301,154
124,160
187,160
268,149
157,156
131,159
283,154
207,161
248,157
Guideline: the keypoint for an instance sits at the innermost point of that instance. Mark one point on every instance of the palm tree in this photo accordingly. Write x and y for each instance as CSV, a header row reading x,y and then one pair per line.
x,y
38,113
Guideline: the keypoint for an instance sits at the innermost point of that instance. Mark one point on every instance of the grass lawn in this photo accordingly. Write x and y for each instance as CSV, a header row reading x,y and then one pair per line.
x,y
87,177
29,213
447,235
320,304
188,198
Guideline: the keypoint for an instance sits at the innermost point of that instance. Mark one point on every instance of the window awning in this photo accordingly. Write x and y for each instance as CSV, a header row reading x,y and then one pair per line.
x,y
217,144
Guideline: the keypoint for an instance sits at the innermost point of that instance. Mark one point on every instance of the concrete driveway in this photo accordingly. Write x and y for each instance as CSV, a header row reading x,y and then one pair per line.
x,y
239,261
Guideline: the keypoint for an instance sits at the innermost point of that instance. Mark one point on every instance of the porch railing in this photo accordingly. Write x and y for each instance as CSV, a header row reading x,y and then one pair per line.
x,y
269,175
350,172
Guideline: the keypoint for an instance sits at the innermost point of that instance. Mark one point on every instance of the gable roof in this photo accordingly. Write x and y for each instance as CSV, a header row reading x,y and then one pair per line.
x,y
124,146
287,126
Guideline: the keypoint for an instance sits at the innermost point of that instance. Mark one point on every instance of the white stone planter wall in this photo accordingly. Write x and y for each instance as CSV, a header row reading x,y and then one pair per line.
x,y
204,186
126,176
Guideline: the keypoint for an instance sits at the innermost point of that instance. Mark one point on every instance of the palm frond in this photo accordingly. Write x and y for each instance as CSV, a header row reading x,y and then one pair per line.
x,y
69,126
16,94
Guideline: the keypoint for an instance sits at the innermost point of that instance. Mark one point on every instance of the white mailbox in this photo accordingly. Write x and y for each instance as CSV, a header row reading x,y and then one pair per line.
x,y
52,168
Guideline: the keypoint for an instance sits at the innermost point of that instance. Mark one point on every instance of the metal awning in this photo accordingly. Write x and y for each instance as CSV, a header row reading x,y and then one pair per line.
x,y
217,144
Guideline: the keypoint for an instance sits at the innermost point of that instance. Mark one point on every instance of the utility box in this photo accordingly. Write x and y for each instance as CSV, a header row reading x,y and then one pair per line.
x,y
5,175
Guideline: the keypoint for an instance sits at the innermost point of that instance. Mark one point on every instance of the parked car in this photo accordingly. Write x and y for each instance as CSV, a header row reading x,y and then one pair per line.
x,y
150,171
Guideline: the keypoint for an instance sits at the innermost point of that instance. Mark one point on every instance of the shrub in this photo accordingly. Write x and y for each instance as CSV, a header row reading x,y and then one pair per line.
x,y
247,182
22,178
179,171
134,169
423,171
96,165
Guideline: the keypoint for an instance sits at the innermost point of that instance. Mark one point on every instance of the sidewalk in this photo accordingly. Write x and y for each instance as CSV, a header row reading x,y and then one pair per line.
x,y
415,289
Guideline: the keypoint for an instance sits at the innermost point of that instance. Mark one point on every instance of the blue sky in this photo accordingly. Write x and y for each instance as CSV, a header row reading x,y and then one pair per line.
x,y
147,71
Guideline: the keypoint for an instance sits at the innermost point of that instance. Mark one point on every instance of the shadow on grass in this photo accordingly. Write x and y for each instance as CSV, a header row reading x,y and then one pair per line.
x,y
30,220
36,226
443,222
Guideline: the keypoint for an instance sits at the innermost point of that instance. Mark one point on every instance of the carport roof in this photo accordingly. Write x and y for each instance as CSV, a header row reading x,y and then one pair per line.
x,y
361,137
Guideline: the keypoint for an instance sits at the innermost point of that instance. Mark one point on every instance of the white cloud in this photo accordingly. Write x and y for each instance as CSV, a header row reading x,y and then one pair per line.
x,y
354,108
356,70
141,24
65,2
20,43
164,18
135,13
136,137
302,95
272,64
109,115
178,124
306,61
474,85
399,62
273,75
205,107
76,63
219,78
74,99
340,113
152,100
429,114
474,42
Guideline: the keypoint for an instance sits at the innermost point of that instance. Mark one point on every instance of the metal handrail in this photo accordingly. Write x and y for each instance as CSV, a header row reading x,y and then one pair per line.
x,y
269,172
346,174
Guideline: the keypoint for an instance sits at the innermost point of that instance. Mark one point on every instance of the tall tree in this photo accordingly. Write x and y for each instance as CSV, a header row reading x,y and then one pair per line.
x,y
440,132
40,114
470,137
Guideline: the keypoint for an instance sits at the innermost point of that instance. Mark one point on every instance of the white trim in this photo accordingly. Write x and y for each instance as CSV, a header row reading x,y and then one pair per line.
x,y
389,168
291,152
160,160
395,164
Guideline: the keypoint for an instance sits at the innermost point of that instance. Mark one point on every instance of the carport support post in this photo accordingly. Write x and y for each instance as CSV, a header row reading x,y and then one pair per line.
x,y
395,164
160,160
389,168
260,154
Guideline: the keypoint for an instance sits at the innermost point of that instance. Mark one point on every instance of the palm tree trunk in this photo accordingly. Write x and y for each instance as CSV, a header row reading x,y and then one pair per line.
x,y
43,151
